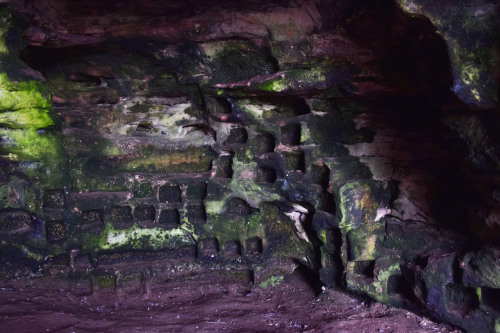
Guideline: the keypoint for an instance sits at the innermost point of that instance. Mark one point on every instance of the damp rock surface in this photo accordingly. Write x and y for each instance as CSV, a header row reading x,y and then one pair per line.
x,y
353,143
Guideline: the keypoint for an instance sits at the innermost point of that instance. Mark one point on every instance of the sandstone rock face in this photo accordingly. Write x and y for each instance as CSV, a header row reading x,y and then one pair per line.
x,y
261,137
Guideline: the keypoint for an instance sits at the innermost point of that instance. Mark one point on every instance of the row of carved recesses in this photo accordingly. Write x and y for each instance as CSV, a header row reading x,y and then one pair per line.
x,y
125,272
274,129
171,202
135,273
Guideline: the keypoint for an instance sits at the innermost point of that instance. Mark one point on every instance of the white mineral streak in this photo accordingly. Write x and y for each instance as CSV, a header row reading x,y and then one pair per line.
x,y
298,215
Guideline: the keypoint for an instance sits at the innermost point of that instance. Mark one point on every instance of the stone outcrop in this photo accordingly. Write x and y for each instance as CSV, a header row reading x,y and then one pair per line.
x,y
143,137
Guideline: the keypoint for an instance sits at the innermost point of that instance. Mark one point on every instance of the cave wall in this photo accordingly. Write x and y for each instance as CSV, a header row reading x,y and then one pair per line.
x,y
266,137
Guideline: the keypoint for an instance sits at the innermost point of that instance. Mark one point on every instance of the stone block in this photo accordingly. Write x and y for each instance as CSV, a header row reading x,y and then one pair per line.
x,y
357,204
329,277
55,231
365,242
169,218
412,237
276,223
121,217
169,194
54,200
218,189
183,254
323,220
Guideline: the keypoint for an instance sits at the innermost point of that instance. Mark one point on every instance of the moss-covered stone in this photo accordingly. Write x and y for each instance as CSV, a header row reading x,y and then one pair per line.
x,y
357,205
135,238
23,95
462,24
26,117
412,238
334,123
192,160
142,189
365,242
227,225
152,159
237,207
374,282
237,60
105,281
272,281
294,80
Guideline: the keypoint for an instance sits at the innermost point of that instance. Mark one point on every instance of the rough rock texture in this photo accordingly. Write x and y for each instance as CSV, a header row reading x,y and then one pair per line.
x,y
471,32
265,137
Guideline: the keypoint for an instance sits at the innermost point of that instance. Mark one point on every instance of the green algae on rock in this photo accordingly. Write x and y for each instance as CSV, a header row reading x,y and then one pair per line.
x,y
357,205
469,30
135,238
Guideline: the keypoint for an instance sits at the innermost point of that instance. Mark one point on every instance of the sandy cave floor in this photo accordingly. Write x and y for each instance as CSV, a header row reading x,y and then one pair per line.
x,y
189,307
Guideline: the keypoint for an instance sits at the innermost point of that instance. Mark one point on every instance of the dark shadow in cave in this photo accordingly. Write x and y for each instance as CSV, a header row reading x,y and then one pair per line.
x,y
414,61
